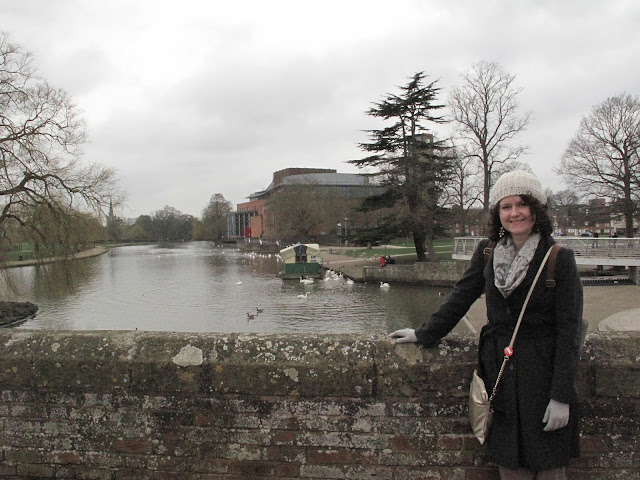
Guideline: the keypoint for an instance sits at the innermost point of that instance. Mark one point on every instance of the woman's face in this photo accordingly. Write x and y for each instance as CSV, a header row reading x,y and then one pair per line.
x,y
516,216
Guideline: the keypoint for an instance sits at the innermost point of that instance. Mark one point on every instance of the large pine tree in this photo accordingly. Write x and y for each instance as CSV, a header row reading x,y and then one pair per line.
x,y
410,162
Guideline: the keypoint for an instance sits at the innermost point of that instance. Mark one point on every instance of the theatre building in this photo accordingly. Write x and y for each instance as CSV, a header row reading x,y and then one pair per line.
x,y
252,219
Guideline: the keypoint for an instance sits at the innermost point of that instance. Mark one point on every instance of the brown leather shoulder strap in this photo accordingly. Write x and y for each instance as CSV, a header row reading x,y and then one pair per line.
x,y
488,250
551,266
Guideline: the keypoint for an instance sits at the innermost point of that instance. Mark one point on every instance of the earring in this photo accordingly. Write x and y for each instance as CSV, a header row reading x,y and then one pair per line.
x,y
501,232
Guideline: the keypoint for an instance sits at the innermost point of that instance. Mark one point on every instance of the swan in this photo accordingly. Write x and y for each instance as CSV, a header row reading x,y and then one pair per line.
x,y
384,285
303,295
349,281
306,281
238,283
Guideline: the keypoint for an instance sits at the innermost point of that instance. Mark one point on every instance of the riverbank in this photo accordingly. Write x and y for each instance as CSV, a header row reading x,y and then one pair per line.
x,y
92,252
12,313
335,258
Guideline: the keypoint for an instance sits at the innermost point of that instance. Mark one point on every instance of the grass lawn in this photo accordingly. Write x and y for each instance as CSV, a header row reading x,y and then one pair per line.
x,y
22,251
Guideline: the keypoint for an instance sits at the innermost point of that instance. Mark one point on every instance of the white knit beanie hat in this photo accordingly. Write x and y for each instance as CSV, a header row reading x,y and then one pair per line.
x,y
517,182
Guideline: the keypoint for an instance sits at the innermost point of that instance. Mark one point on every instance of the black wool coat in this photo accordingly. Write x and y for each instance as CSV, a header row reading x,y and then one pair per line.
x,y
545,359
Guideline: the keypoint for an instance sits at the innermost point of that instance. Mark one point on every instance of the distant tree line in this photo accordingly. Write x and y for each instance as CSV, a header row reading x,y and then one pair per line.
x,y
170,225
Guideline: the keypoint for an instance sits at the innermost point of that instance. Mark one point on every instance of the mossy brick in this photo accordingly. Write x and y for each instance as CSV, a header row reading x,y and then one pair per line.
x,y
608,384
7,471
406,370
204,465
256,365
342,456
29,470
84,361
18,352
133,474
598,349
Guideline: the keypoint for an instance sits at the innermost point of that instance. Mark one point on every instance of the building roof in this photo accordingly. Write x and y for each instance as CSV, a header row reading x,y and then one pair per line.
x,y
352,179
326,179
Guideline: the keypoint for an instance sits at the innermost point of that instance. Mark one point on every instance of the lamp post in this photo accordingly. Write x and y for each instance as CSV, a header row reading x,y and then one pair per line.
x,y
339,225
346,233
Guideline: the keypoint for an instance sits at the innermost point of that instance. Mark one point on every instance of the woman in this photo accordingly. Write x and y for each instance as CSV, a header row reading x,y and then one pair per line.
x,y
535,422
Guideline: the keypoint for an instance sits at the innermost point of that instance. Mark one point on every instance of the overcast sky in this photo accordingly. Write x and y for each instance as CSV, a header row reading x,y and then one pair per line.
x,y
189,98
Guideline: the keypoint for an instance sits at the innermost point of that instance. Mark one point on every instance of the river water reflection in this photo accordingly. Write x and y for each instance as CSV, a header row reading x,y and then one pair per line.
x,y
197,287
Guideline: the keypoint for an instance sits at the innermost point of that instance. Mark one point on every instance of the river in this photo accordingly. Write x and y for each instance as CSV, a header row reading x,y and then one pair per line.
x,y
198,287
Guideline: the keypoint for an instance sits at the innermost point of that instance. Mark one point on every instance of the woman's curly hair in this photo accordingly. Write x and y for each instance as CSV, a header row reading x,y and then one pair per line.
x,y
541,225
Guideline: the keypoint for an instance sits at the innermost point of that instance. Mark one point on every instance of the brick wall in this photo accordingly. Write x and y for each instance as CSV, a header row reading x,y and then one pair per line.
x,y
168,406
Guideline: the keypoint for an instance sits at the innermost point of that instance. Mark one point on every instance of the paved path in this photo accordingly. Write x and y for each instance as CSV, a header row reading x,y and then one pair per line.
x,y
606,307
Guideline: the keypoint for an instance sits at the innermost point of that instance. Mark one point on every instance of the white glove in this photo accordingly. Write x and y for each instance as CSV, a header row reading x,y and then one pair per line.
x,y
405,335
556,416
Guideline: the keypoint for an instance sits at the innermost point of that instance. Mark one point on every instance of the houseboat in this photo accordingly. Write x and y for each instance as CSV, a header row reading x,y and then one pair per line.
x,y
301,260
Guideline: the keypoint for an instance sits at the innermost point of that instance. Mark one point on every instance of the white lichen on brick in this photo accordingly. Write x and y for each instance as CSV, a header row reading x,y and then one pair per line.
x,y
292,373
409,353
189,355
268,357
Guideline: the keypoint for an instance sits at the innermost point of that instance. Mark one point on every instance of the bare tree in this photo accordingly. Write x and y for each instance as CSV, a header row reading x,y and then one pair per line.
x,y
297,213
562,198
170,225
603,157
485,109
41,134
214,217
465,189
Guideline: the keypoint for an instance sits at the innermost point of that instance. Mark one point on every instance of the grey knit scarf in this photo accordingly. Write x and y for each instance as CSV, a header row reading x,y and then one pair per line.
x,y
510,268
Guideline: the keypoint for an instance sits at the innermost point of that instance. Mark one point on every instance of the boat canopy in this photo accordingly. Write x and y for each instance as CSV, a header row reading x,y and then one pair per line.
x,y
299,250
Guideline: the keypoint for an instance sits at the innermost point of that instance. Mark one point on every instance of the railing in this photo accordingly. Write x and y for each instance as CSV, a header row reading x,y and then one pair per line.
x,y
588,250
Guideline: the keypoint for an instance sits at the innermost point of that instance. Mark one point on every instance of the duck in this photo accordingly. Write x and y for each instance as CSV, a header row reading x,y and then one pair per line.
x,y
303,295
384,285
259,310
250,315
